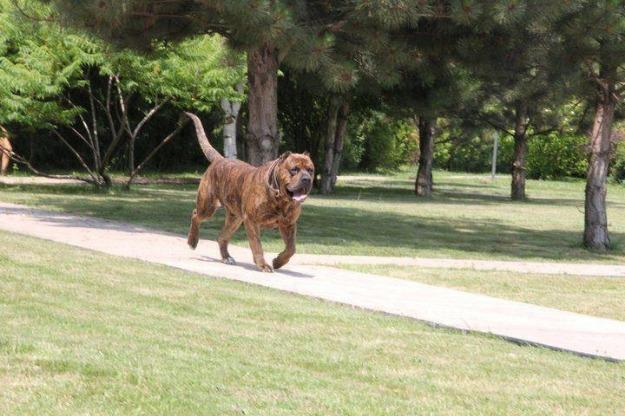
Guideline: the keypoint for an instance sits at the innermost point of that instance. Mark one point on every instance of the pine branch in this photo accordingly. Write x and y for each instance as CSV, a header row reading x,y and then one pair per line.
x,y
497,126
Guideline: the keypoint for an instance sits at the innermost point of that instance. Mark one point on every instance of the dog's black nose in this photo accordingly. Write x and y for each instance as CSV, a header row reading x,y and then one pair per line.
x,y
306,180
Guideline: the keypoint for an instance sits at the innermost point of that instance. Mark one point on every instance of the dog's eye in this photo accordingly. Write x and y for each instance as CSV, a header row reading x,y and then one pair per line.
x,y
294,170
310,171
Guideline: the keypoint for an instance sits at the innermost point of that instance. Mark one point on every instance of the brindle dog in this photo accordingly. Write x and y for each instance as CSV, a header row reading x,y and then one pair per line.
x,y
268,196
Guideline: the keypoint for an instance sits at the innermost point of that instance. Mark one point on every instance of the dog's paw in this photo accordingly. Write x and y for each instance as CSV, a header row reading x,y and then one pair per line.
x,y
192,242
228,260
265,268
276,264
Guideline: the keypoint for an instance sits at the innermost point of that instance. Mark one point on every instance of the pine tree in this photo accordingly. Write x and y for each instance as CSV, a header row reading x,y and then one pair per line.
x,y
417,55
593,34
430,83
521,88
433,90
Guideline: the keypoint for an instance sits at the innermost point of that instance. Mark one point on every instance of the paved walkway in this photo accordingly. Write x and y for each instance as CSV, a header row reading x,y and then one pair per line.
x,y
38,180
515,321
574,269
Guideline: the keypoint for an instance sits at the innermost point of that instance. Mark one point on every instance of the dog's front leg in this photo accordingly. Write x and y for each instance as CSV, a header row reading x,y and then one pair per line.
x,y
288,236
253,235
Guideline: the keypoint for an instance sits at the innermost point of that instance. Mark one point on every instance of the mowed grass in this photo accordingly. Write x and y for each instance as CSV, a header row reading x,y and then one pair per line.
x,y
598,296
469,216
85,333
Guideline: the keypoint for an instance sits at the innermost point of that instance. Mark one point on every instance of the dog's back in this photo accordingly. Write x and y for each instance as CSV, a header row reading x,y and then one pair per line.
x,y
227,181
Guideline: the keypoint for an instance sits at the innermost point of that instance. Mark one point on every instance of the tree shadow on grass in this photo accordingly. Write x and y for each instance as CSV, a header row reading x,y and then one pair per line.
x,y
454,197
444,196
479,185
394,234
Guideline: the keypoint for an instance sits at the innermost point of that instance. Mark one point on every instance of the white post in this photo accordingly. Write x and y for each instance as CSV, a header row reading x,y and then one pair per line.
x,y
493,171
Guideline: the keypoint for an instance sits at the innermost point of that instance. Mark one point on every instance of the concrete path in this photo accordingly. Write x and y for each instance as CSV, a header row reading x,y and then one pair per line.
x,y
574,269
38,180
515,321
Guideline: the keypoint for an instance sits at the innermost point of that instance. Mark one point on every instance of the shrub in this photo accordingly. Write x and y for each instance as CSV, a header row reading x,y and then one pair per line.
x,y
617,167
554,155
472,154
549,156
378,142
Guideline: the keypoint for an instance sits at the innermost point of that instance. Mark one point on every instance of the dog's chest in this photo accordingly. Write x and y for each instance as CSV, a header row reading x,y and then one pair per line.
x,y
275,215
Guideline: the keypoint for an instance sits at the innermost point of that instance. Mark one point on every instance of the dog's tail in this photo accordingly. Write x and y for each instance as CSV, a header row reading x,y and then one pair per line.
x,y
209,151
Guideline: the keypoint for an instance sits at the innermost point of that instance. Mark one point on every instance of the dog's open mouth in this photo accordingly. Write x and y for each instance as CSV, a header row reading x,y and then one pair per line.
x,y
298,195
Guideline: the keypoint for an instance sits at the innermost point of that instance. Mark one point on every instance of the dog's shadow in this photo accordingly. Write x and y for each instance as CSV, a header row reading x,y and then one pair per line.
x,y
253,268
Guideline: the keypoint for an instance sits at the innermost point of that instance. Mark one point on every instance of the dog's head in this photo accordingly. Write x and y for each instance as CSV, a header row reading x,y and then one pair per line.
x,y
294,173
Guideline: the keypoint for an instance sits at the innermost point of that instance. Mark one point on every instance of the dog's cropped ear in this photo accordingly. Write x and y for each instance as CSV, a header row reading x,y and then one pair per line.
x,y
284,155
306,153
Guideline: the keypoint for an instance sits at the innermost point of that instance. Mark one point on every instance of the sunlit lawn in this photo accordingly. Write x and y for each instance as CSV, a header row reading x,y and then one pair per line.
x,y
85,333
469,216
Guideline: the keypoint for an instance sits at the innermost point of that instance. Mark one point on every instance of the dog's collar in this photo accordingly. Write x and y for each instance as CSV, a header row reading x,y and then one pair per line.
x,y
272,178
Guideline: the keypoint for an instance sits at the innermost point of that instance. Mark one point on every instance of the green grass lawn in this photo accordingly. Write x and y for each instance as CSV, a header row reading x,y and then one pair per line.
x,y
469,216
598,296
85,333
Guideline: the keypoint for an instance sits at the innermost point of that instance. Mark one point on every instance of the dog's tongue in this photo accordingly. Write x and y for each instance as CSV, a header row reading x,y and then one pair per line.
x,y
299,196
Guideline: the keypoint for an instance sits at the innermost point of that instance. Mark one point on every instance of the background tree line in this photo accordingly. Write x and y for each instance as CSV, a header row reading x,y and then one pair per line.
x,y
357,83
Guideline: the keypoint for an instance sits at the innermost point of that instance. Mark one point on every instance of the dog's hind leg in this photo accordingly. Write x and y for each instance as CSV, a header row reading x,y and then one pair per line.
x,y
231,225
203,211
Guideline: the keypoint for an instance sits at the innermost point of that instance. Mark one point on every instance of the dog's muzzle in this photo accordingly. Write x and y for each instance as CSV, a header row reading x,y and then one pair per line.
x,y
300,192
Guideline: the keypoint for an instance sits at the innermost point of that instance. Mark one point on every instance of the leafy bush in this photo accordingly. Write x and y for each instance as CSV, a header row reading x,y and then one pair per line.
x,y
549,156
554,156
472,154
618,163
378,142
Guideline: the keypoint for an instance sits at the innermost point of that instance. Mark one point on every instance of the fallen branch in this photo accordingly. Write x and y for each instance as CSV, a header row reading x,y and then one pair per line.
x,y
22,161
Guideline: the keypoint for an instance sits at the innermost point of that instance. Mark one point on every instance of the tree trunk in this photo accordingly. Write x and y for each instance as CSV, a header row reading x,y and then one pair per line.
x,y
131,156
231,110
339,140
595,216
262,127
325,186
423,183
517,187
